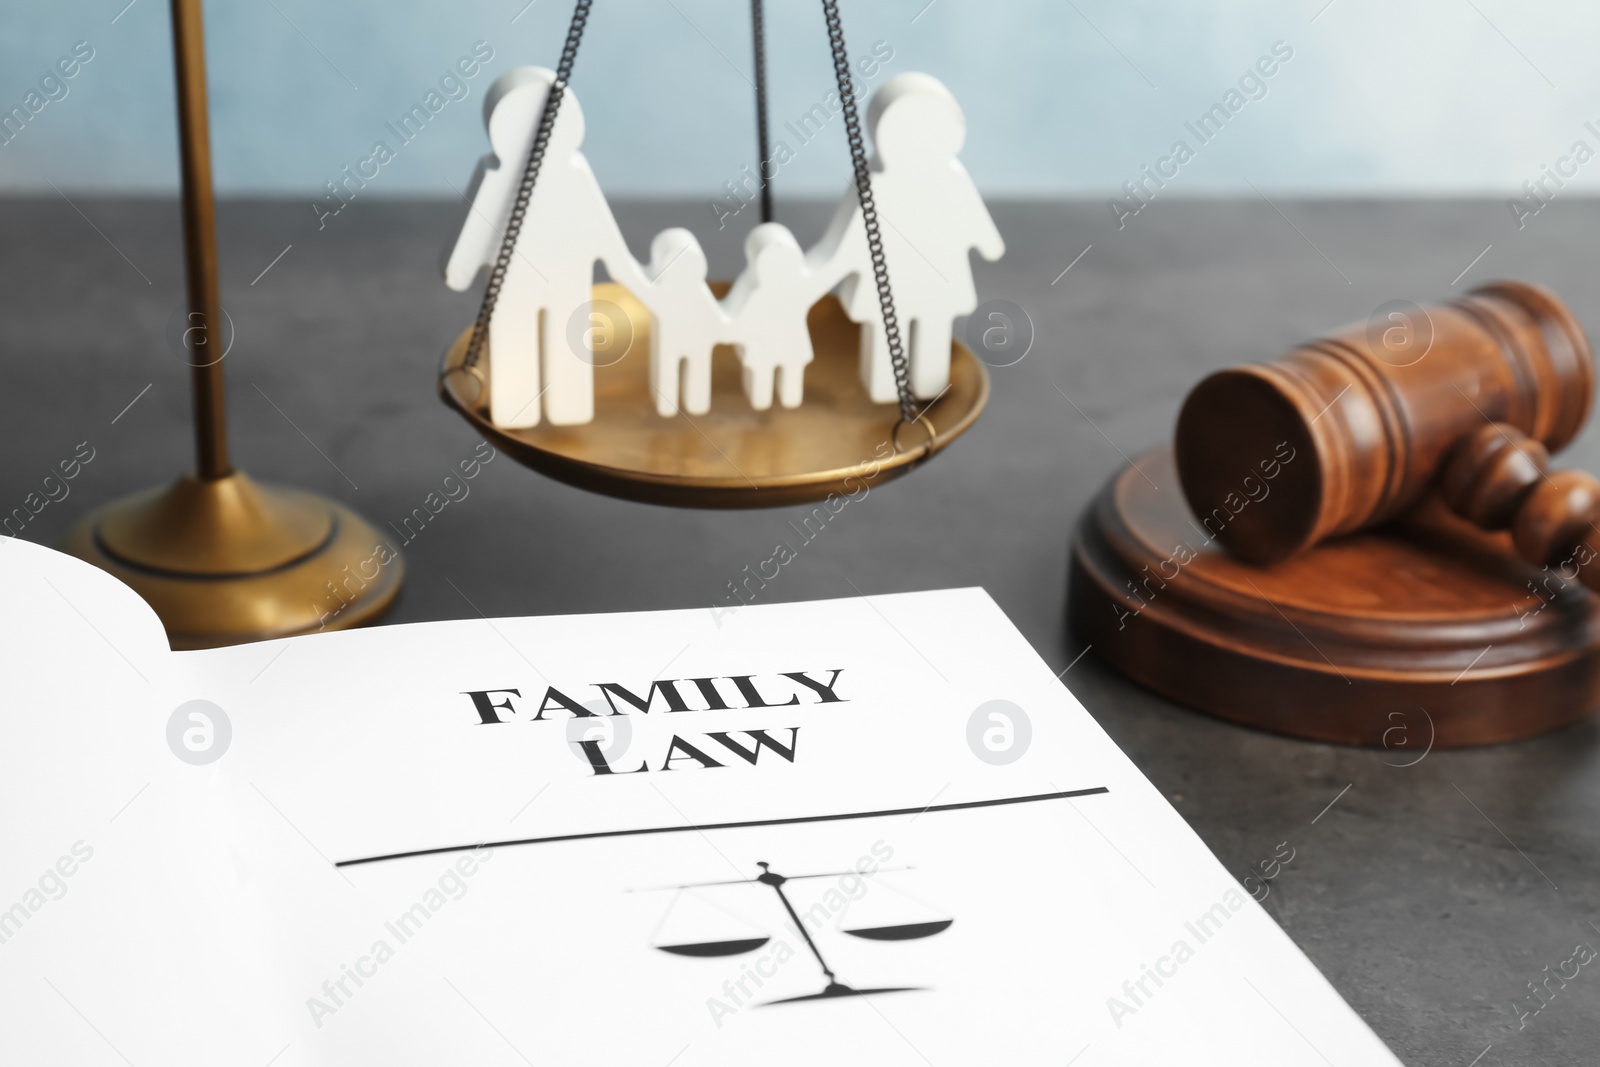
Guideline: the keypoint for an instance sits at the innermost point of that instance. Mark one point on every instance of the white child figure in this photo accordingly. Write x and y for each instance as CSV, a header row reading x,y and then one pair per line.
x,y
535,349
768,305
689,322
930,216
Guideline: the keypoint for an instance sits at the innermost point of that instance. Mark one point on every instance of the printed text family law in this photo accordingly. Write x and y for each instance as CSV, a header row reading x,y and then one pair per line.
x,y
723,693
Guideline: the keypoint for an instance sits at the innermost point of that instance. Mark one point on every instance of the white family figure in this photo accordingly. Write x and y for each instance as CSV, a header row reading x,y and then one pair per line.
x,y
541,361
768,305
930,216
547,287
689,322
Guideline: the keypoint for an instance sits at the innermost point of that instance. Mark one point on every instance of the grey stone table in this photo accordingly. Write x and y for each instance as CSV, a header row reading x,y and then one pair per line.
x,y
1429,895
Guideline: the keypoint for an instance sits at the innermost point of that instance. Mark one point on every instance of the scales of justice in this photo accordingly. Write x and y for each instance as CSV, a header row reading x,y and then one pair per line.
x,y
808,378
614,388
730,945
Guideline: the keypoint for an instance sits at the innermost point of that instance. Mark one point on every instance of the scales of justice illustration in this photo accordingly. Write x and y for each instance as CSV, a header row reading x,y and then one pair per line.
x,y
716,930
829,378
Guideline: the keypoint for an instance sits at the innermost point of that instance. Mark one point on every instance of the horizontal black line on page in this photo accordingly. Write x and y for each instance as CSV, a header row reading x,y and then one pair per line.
x,y
729,825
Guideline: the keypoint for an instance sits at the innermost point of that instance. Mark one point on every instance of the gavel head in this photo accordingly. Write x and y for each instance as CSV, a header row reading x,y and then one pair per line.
x,y
1345,432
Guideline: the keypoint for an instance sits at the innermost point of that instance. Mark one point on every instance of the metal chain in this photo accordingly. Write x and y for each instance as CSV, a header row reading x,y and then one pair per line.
x,y
758,35
869,210
519,209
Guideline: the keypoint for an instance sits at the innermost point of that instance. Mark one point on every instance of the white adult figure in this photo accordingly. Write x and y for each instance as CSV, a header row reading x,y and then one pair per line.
x,y
767,305
534,351
930,216
689,322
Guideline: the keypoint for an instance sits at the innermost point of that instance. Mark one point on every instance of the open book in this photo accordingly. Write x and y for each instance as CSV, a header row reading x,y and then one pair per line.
x,y
873,831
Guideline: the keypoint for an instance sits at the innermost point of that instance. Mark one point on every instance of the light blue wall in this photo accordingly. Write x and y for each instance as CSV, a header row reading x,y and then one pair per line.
x,y
1425,97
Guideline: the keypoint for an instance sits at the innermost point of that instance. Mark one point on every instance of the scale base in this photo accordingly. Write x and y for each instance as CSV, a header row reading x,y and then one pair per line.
x,y
228,561
839,989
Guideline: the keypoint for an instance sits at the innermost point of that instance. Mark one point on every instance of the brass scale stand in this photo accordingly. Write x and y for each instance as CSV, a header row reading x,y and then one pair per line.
x,y
223,560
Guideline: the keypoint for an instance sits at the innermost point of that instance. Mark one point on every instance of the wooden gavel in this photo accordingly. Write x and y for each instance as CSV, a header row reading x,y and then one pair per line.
x,y
1349,431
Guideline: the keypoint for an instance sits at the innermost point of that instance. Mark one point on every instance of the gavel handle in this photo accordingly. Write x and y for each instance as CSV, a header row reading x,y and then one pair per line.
x,y
1498,478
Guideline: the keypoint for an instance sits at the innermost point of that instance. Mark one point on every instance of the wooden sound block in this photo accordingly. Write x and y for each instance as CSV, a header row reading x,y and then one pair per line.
x,y
1427,632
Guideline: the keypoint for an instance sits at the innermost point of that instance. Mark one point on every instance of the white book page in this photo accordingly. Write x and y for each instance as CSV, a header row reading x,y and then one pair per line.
x,y
371,872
